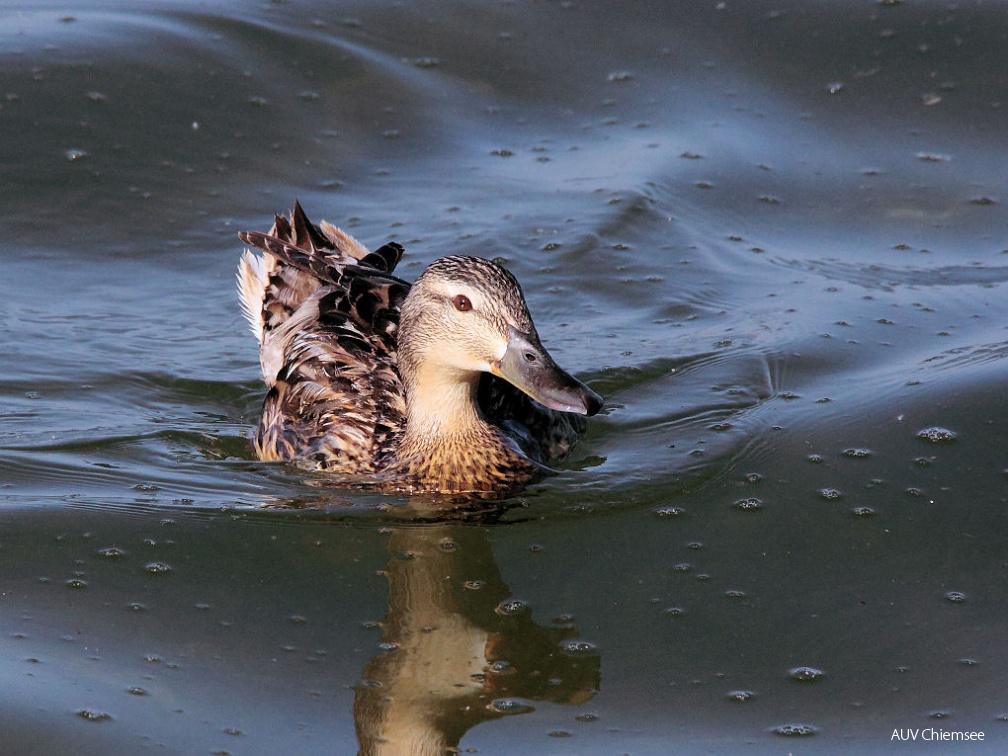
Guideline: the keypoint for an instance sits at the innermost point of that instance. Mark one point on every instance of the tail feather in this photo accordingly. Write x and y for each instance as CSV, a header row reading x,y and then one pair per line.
x,y
301,258
253,278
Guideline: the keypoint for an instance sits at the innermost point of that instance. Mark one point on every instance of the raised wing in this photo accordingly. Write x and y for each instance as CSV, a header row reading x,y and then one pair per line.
x,y
326,312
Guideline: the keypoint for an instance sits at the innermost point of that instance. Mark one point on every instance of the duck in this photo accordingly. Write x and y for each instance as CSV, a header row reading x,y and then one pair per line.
x,y
440,386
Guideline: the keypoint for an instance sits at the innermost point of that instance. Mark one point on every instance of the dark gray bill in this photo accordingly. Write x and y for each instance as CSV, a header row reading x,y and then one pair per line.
x,y
526,365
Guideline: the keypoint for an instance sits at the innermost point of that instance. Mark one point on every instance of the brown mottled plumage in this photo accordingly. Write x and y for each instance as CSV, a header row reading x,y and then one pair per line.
x,y
422,388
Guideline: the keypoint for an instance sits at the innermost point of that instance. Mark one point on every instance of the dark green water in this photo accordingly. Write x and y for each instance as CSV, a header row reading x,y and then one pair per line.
x,y
775,240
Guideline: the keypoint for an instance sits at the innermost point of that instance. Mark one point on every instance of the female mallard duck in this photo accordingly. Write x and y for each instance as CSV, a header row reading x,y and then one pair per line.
x,y
422,388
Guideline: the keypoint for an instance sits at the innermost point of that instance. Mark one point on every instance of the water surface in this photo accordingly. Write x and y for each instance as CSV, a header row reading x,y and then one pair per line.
x,y
775,240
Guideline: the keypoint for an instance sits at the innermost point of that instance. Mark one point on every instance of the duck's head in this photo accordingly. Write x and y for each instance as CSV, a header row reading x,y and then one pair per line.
x,y
465,316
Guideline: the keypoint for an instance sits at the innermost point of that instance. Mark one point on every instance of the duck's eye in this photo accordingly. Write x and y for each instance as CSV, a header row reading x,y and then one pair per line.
x,y
462,303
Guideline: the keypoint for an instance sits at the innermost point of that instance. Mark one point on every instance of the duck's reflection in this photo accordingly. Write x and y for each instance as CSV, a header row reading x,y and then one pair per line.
x,y
459,651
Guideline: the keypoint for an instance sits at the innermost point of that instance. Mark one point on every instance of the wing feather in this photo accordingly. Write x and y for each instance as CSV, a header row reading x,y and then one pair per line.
x,y
326,311
337,400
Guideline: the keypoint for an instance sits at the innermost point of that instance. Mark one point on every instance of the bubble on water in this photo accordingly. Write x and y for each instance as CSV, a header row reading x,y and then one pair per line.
x,y
956,597
740,696
93,715
588,716
939,714
735,594
749,505
136,690
863,511
512,607
448,544
233,732
617,76
674,612
753,478
157,568
857,453
670,512
559,733
968,662
578,648
830,493
112,552
473,585
835,87
936,435
815,459
75,155
501,668
509,706
76,584
795,730
805,674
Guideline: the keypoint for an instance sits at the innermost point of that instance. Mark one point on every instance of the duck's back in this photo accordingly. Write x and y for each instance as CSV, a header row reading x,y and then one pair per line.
x,y
326,313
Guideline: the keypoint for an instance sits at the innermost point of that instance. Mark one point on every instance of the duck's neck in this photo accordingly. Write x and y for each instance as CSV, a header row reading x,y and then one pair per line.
x,y
441,409
447,446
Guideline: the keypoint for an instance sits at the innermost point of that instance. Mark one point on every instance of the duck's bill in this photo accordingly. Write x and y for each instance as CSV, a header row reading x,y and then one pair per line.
x,y
526,365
